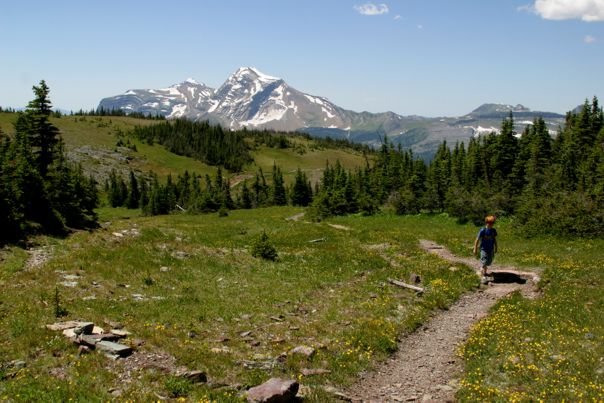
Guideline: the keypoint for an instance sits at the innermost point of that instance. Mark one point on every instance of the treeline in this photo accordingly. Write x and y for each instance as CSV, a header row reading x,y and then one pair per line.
x,y
101,111
196,194
39,191
199,140
551,185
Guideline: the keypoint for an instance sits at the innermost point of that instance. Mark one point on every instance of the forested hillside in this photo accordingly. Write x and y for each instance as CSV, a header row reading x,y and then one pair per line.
x,y
549,184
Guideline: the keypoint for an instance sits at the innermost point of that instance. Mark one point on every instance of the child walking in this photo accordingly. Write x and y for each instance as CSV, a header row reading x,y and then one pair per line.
x,y
487,240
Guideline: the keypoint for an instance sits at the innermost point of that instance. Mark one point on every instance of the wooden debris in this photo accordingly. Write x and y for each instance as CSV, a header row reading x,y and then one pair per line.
x,y
317,240
314,371
405,285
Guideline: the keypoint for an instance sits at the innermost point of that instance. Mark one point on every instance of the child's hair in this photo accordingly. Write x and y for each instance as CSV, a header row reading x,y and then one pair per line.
x,y
490,219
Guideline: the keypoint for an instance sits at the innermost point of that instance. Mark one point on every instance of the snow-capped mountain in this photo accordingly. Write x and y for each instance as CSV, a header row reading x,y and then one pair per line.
x,y
173,102
249,98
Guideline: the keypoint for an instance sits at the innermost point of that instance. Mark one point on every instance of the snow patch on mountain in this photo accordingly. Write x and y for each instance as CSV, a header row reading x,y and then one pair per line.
x,y
178,111
479,131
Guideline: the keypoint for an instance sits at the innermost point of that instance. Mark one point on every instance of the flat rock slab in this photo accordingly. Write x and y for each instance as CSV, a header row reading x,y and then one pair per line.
x,y
78,326
112,348
275,390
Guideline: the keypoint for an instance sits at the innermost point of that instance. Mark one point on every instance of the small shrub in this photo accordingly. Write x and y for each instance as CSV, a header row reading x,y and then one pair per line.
x,y
60,311
177,387
263,248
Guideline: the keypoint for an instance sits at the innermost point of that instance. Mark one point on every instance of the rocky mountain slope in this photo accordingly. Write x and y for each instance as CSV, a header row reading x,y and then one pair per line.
x,y
249,98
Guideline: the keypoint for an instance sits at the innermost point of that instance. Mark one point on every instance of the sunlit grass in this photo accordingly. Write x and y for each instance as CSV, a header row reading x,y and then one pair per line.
x,y
188,275
547,349
188,286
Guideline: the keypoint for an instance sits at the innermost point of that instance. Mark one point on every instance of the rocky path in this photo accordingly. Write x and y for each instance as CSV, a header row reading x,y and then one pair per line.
x,y
425,367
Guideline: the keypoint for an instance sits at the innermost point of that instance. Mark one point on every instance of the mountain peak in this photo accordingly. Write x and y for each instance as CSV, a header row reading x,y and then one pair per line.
x,y
254,73
192,81
486,109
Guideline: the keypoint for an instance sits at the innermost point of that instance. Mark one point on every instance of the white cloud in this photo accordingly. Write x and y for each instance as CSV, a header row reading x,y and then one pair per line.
x,y
397,17
420,26
586,10
589,39
372,9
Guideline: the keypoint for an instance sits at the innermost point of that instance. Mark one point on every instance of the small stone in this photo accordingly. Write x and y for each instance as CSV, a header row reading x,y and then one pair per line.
x,y
82,350
302,350
69,284
245,334
120,332
113,325
415,278
137,343
195,376
18,364
118,234
83,328
115,392
273,390
164,269
69,333
97,330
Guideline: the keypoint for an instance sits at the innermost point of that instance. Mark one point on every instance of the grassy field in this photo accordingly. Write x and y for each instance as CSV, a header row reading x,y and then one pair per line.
x,y
548,349
188,287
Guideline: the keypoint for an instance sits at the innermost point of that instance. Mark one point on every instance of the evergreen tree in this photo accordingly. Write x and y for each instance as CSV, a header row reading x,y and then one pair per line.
x,y
301,193
246,197
42,133
278,193
134,194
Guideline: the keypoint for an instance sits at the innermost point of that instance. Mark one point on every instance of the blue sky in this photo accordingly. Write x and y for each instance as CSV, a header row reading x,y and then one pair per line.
x,y
424,57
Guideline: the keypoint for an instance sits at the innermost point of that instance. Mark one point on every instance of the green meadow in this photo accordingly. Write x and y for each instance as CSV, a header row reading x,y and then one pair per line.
x,y
187,288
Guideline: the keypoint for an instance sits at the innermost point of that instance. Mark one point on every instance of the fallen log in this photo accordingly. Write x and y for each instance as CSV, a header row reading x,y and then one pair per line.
x,y
405,285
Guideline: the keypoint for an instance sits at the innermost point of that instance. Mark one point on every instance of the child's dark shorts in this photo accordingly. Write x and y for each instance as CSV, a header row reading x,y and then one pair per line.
x,y
486,258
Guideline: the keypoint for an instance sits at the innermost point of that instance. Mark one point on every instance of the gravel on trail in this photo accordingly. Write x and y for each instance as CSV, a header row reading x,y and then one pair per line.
x,y
426,368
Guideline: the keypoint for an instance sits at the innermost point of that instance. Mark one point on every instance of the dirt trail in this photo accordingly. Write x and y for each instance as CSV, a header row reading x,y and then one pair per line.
x,y
425,368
